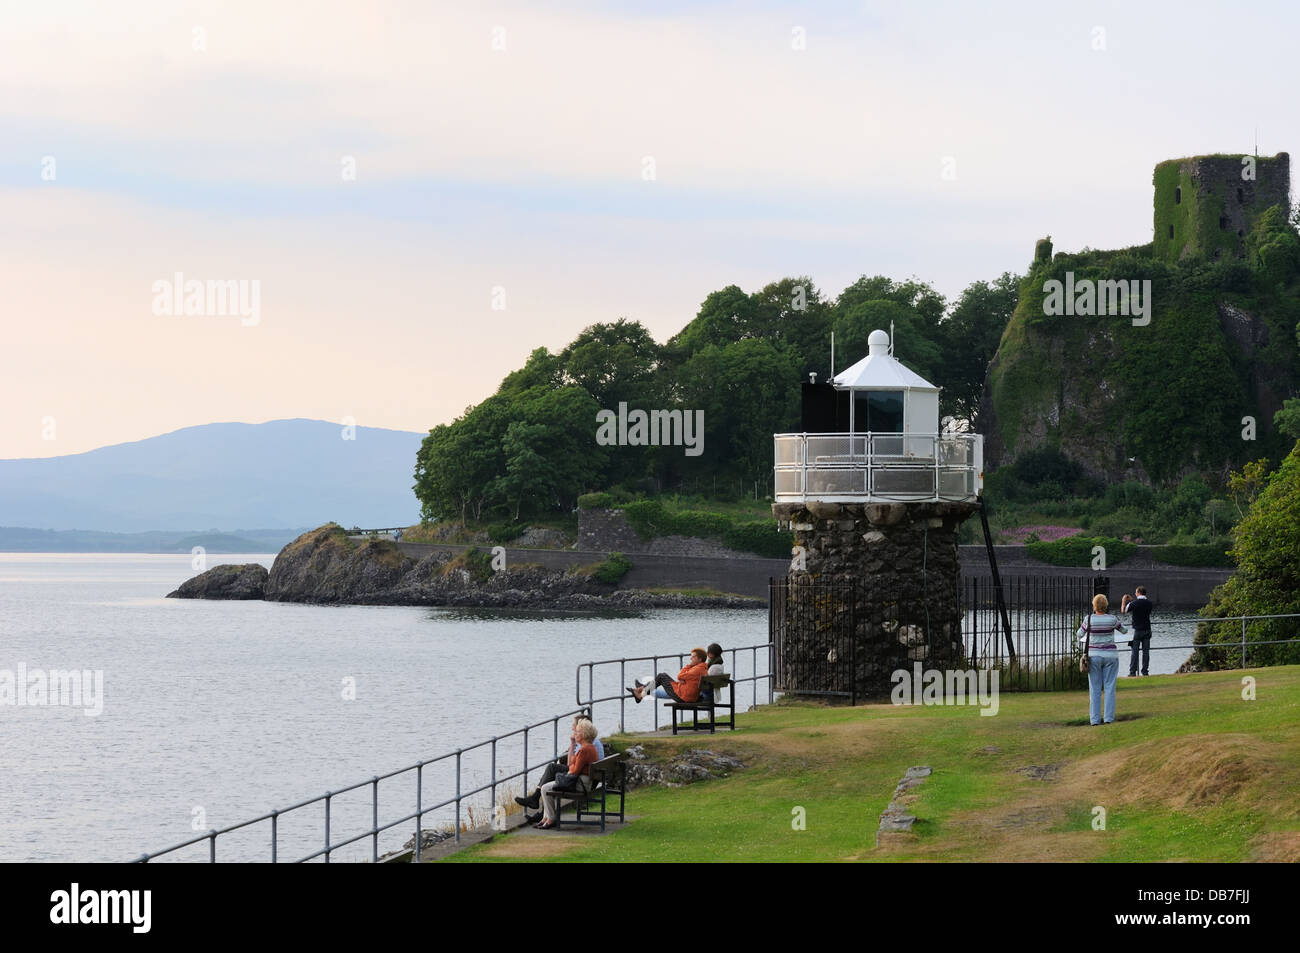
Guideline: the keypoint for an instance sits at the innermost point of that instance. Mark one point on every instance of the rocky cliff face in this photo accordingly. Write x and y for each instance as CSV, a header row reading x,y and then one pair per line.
x,y
247,581
325,566
1142,396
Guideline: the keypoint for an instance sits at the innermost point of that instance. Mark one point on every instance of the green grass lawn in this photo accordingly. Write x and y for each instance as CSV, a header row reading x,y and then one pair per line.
x,y
1190,772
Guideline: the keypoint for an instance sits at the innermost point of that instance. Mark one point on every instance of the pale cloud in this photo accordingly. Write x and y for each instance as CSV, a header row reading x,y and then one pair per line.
x,y
523,168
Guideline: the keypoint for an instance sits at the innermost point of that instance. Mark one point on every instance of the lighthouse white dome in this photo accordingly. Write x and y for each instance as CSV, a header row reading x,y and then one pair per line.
x,y
878,342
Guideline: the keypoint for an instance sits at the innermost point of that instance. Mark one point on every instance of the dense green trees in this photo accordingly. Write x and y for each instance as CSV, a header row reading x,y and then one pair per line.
x,y
1267,581
531,448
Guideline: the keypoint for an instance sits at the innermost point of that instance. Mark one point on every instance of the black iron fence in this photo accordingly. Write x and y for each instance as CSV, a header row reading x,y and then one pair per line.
x,y
1032,643
1027,631
813,628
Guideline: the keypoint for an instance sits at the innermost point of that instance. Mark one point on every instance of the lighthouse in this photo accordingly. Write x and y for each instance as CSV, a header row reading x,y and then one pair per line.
x,y
875,494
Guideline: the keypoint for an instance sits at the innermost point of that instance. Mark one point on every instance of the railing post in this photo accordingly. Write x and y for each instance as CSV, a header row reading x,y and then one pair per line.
x,y
212,846
419,805
494,776
1243,641
275,817
771,673
458,751
374,814
327,827
803,464
622,695
653,703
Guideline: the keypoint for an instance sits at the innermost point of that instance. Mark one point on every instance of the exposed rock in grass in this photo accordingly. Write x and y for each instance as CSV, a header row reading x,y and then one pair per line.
x,y
896,819
684,767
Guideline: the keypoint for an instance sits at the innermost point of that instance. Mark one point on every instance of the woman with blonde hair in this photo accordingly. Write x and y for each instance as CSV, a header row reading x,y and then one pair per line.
x,y
578,777
1098,629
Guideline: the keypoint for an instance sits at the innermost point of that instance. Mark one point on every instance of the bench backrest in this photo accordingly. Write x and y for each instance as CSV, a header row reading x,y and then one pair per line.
x,y
716,681
608,767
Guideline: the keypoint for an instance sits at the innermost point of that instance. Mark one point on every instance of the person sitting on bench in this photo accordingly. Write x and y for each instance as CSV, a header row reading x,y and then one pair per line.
x,y
716,667
685,688
579,766
534,801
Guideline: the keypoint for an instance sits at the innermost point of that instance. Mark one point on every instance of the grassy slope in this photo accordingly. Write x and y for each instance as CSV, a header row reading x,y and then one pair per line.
x,y
1192,773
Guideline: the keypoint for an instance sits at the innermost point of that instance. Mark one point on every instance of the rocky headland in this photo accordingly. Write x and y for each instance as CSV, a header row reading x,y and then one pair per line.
x,y
326,567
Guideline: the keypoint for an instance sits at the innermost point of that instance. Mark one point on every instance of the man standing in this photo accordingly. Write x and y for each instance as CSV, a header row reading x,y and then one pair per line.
x,y
1140,611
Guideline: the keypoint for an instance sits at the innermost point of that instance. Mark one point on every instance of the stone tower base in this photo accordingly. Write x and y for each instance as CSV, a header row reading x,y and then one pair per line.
x,y
897,564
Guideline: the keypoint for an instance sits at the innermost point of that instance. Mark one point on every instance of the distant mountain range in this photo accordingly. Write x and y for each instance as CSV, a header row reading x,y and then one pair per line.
x,y
205,481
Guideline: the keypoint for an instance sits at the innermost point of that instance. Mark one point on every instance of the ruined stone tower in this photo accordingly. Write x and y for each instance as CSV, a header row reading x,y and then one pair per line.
x,y
1205,206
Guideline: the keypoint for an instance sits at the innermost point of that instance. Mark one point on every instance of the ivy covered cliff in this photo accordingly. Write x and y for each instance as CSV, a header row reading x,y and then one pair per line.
x,y
1185,375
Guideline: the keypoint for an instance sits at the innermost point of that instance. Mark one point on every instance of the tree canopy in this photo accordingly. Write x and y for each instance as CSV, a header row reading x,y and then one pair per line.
x,y
531,447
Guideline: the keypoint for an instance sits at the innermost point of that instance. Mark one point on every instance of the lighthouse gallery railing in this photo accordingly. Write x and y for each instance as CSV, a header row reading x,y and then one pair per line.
x,y
906,467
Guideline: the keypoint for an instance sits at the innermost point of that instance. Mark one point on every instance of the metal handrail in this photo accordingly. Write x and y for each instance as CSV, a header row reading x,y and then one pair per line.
x,y
376,829
461,793
767,647
872,461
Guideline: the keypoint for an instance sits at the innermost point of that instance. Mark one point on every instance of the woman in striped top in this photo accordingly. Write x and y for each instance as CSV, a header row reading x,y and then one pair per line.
x,y
1103,658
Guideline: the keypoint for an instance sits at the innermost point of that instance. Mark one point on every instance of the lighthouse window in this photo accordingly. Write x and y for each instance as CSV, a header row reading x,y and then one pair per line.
x,y
878,411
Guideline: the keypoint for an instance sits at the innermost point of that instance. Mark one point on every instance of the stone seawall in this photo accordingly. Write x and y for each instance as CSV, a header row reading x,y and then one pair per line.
x,y
749,575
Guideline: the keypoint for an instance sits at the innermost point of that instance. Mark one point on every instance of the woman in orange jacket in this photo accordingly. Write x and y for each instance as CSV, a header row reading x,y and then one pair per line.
x,y
685,688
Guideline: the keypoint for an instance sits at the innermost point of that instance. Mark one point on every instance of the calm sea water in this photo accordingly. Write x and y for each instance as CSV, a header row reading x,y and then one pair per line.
x,y
215,712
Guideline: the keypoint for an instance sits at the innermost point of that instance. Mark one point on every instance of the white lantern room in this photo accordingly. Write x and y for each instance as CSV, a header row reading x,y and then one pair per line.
x,y
877,439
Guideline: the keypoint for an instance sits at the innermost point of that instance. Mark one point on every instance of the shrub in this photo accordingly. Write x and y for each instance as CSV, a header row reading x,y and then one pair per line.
x,y
595,501
650,520
1077,551
760,537
474,561
1208,554
504,532
612,570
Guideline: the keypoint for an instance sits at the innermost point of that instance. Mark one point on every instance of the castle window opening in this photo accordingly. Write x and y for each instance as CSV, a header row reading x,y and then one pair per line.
x,y
1223,222
1171,231
1178,195
1240,197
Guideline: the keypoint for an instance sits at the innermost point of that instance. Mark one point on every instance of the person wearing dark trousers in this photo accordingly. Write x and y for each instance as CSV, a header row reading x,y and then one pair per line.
x,y
533,801
684,688
1139,610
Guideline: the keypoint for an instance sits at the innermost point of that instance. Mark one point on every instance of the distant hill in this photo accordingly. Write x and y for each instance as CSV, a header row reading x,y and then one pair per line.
x,y
17,539
284,474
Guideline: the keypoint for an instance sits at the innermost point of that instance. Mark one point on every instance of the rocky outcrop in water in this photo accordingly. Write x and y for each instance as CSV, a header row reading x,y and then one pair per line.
x,y
247,581
325,567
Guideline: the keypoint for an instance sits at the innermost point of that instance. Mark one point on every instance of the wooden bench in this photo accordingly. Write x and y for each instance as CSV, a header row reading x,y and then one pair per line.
x,y
717,683
608,777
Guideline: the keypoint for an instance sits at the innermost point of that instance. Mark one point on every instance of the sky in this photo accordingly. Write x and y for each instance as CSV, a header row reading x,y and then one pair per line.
x,y
416,195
